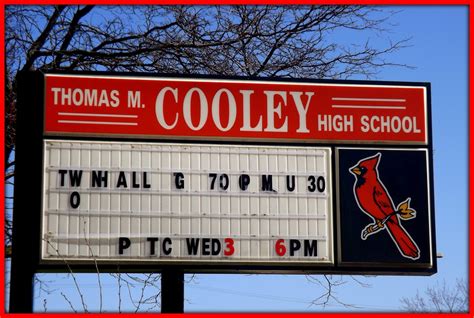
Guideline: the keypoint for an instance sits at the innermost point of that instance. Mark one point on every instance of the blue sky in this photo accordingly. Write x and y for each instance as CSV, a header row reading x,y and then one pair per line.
x,y
439,51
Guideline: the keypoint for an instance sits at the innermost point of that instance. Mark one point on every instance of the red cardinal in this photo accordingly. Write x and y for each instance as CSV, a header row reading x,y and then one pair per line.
x,y
374,200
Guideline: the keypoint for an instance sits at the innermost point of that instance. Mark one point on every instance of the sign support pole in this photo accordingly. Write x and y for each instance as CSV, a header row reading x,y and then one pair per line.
x,y
28,178
21,290
172,291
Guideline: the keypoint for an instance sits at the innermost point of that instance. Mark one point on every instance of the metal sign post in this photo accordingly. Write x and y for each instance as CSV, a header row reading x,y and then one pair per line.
x,y
27,199
172,291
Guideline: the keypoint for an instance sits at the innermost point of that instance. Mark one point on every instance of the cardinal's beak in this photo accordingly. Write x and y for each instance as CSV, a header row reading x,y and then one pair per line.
x,y
356,170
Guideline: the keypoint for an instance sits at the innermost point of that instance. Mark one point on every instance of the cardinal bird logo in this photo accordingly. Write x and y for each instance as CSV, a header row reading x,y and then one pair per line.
x,y
375,201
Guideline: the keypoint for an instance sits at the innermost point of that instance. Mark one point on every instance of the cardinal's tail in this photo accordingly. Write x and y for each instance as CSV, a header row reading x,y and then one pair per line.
x,y
405,243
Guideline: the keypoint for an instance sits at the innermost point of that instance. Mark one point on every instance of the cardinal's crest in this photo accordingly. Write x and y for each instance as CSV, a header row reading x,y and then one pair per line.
x,y
374,200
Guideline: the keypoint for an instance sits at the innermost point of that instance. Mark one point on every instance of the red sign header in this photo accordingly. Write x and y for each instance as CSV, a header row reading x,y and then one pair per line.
x,y
182,108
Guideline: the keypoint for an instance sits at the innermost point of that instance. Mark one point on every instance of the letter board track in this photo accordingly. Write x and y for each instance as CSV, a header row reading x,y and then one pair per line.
x,y
171,202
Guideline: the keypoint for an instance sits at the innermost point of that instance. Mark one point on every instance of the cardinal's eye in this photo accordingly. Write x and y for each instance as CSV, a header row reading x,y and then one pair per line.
x,y
363,169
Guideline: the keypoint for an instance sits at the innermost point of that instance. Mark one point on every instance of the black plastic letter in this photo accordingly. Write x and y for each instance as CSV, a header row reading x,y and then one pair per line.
x,y
179,180
290,183
124,243
244,181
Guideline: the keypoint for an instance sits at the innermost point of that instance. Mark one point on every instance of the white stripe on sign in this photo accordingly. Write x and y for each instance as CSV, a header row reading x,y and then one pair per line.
x,y
96,122
97,115
370,99
369,106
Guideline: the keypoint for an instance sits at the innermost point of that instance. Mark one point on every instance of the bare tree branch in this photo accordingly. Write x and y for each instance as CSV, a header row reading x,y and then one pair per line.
x,y
76,284
32,53
69,303
329,294
80,13
440,298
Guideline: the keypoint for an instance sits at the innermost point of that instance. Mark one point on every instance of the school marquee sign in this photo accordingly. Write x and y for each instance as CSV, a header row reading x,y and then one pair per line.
x,y
220,174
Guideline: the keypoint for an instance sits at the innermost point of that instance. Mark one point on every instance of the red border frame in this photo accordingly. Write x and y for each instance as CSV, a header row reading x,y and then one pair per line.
x,y
182,2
